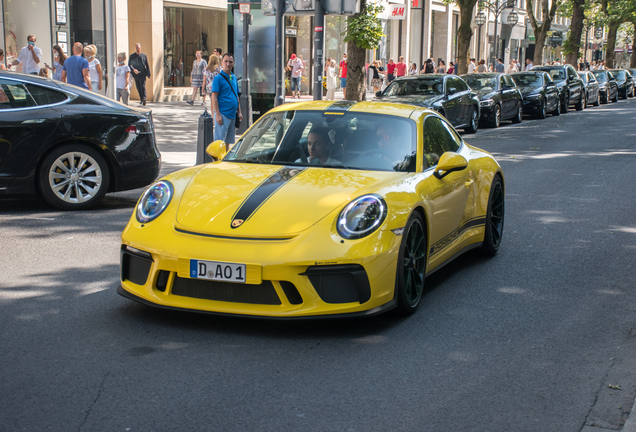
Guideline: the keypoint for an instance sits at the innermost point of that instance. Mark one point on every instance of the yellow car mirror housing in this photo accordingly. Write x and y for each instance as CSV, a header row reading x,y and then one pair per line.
x,y
217,149
448,163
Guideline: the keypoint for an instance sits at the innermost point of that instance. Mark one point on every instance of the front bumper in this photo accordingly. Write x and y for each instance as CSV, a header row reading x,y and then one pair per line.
x,y
532,105
310,275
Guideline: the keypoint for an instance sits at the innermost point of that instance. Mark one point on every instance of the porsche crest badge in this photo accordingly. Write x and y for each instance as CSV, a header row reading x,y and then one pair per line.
x,y
237,223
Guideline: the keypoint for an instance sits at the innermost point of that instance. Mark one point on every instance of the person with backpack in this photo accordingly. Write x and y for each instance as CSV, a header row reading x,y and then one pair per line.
x,y
225,103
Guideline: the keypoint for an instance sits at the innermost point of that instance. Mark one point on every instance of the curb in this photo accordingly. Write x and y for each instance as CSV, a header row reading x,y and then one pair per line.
x,y
630,424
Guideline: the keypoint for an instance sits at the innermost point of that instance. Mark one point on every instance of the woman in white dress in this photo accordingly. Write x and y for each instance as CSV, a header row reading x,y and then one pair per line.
x,y
332,80
94,68
196,78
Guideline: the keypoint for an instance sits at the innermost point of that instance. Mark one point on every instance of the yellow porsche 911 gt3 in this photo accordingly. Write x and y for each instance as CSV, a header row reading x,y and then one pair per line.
x,y
319,209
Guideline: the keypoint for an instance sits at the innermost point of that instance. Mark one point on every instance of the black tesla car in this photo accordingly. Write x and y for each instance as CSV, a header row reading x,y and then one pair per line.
x,y
607,88
499,97
624,82
447,94
69,145
540,93
592,95
569,83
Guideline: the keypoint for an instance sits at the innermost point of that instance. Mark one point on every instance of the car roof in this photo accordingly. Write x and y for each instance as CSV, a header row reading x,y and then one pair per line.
x,y
423,76
551,67
375,107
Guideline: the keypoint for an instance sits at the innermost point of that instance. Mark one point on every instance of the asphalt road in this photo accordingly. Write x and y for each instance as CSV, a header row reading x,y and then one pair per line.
x,y
531,340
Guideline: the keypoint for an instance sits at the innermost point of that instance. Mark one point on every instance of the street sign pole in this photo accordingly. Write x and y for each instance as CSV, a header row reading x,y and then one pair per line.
x,y
246,97
319,23
280,61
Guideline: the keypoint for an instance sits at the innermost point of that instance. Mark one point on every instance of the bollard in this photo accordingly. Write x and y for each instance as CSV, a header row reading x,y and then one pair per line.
x,y
204,137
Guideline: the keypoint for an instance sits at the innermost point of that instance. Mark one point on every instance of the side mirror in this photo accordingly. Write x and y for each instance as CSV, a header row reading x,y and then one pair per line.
x,y
217,149
378,94
448,163
452,90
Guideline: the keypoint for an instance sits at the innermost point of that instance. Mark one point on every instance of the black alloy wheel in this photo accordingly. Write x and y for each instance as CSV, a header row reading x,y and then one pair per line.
x,y
597,102
566,103
542,112
605,99
615,96
73,177
496,118
519,117
474,123
580,105
557,110
494,219
624,95
411,265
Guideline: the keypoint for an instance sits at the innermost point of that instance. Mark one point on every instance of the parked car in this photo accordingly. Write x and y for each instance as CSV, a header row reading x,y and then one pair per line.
x,y
607,87
540,93
592,95
449,95
570,86
69,145
624,82
499,97
348,224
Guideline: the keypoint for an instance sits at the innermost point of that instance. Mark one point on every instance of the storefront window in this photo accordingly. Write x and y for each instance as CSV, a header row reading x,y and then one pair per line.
x,y
334,39
19,22
186,31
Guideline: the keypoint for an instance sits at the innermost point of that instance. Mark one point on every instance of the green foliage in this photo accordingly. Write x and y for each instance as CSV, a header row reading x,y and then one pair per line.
x,y
365,29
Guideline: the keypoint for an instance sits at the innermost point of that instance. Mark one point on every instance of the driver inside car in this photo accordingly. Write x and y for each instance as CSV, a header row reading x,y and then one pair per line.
x,y
319,147
393,147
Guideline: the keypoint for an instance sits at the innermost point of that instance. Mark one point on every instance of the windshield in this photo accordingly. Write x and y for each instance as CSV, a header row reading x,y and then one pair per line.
x,y
600,75
528,80
619,74
583,76
421,87
330,139
481,83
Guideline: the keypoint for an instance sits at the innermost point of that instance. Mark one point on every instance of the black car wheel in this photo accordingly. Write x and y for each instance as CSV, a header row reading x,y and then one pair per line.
x,y
543,111
496,118
557,110
494,219
73,177
624,94
566,103
605,99
615,96
597,102
580,105
474,122
411,265
519,117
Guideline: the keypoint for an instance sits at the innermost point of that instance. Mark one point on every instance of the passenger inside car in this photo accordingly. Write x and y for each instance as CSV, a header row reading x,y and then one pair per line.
x,y
319,147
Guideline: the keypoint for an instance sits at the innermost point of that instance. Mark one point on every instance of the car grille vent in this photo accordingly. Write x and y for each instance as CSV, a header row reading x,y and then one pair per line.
x,y
134,268
291,293
264,293
162,280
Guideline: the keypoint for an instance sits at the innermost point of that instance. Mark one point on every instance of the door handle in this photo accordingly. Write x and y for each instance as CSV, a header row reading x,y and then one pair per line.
x,y
468,183
33,121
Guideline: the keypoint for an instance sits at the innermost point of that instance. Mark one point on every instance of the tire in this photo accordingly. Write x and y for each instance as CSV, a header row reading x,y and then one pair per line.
x,y
624,95
566,104
615,97
411,265
496,118
474,123
580,105
557,110
494,219
73,177
519,117
542,114
605,99
597,102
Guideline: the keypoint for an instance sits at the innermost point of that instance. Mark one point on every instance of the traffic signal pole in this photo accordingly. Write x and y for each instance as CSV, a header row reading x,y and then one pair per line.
x,y
246,97
319,38
280,61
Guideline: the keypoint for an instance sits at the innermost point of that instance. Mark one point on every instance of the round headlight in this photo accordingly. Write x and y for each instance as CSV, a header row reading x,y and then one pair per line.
x,y
154,201
361,216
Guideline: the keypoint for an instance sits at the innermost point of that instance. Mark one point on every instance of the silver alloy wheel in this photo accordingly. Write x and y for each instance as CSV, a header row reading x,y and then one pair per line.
x,y
75,177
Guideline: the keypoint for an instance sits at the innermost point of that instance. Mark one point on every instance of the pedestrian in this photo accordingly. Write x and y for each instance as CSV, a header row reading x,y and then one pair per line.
x,y
332,79
499,67
2,66
441,67
224,101
29,57
593,65
218,52
472,66
196,77
529,64
413,69
400,67
296,67
328,64
376,82
343,75
212,70
482,66
122,78
44,72
429,68
94,67
138,63
75,69
390,70
58,62
451,68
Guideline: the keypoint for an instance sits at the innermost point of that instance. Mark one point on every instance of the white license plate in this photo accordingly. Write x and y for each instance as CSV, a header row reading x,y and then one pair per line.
x,y
221,271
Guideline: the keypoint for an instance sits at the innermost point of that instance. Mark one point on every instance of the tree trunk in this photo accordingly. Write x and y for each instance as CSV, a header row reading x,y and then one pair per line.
x,y
541,32
464,34
632,61
576,31
611,44
356,82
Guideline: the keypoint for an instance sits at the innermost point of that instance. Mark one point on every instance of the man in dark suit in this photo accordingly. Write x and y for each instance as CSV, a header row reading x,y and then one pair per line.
x,y
138,63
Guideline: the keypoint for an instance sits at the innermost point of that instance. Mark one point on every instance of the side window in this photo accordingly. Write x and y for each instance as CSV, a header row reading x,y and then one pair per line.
x,y
502,81
45,96
571,73
14,95
438,138
509,81
460,84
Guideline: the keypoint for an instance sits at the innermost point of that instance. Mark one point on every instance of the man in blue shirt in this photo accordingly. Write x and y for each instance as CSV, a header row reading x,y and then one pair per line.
x,y
499,67
75,69
225,102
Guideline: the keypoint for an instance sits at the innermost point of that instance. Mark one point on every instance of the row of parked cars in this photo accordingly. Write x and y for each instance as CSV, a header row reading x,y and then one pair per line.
x,y
489,98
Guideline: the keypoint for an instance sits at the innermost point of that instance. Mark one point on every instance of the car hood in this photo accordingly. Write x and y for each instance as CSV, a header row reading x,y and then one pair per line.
x,y
268,201
486,94
425,101
527,91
